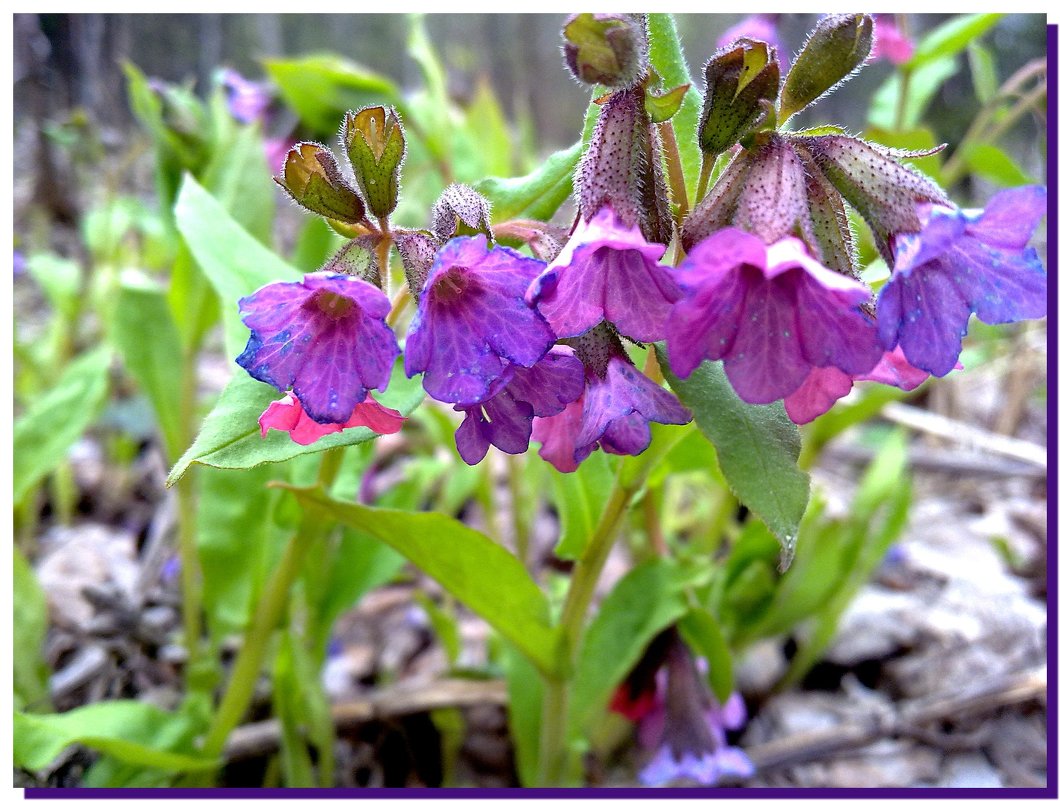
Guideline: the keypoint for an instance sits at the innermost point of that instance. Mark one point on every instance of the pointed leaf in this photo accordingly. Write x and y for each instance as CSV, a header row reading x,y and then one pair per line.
x,y
537,195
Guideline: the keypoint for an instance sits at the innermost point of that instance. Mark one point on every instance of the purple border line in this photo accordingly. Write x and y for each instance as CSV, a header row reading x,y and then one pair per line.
x,y
1052,328
1049,791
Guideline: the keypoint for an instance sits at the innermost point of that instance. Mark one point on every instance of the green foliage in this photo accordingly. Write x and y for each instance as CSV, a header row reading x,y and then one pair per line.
x,y
57,418
757,446
477,571
580,498
951,38
122,729
28,632
701,630
231,437
537,195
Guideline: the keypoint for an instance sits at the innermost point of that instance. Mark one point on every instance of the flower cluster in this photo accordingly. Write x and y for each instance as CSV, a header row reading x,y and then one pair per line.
x,y
527,349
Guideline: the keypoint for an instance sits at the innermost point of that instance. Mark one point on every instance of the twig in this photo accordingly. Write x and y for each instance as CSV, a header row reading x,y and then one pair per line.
x,y
965,434
986,697
263,737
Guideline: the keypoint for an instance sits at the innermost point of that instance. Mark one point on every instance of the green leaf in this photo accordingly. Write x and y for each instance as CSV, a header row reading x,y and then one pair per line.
x,y
668,60
537,195
922,89
951,38
234,262
28,632
524,713
60,279
701,630
580,497
57,419
984,72
193,303
239,178
445,625
231,438
144,333
644,602
322,88
115,728
304,715
994,164
479,573
488,133
757,446
663,107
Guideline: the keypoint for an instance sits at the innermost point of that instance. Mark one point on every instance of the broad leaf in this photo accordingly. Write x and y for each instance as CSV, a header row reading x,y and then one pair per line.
x,y
644,602
580,497
30,627
479,573
322,88
231,438
994,164
951,38
57,419
144,333
115,728
757,446
701,630
235,262
537,195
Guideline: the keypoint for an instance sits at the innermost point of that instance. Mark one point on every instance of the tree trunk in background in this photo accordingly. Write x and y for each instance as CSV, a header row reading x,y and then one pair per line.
x,y
210,42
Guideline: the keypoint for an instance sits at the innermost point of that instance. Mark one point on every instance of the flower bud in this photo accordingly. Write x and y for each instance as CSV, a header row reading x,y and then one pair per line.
x,y
834,52
417,250
461,211
311,177
607,49
762,191
611,170
375,146
357,258
874,181
736,81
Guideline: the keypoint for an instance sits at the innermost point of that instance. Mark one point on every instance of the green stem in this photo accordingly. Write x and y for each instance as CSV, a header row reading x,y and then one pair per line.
x,y
519,508
704,176
190,569
673,170
904,79
552,768
271,605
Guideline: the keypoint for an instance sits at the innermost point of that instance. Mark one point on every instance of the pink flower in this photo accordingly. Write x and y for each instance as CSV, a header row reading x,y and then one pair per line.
x,y
288,415
890,42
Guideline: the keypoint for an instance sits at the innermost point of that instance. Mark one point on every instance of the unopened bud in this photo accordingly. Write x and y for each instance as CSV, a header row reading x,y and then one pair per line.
x,y
834,52
607,49
311,177
740,85
874,181
461,211
417,250
375,146
358,258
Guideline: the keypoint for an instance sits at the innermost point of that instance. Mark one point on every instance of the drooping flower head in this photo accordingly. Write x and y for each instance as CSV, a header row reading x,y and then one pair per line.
x,y
686,727
324,338
288,415
505,418
961,262
770,313
607,271
612,413
473,321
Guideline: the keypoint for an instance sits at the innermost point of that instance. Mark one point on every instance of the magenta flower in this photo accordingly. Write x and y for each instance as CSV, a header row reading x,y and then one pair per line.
x,y
825,385
762,27
473,321
612,413
325,338
505,418
889,42
686,728
288,415
962,262
771,314
606,272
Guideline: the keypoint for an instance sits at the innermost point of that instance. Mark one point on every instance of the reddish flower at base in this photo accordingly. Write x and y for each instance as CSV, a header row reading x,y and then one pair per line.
x,y
288,415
